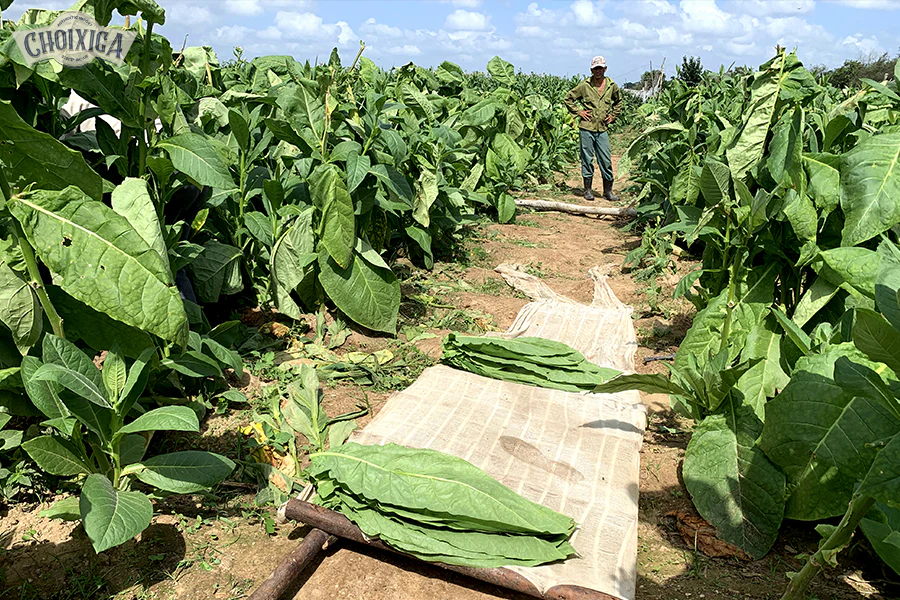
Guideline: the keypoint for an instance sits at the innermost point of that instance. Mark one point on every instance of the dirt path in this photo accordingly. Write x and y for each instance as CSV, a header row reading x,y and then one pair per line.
x,y
219,548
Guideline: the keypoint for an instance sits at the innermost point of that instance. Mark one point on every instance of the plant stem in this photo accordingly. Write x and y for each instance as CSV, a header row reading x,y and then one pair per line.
x,y
34,273
144,136
37,284
836,542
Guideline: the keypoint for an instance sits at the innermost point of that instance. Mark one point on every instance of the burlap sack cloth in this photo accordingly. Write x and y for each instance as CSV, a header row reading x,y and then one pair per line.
x,y
575,453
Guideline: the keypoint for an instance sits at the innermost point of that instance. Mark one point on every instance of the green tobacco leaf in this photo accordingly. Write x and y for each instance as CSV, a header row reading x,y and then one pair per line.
x,y
715,182
114,374
887,283
240,129
426,194
870,181
216,271
56,456
111,517
132,200
824,180
225,356
173,418
108,87
821,435
59,351
648,383
96,329
502,71
304,110
761,381
357,169
882,482
368,295
20,309
193,364
734,486
260,227
882,527
195,156
337,225
102,261
876,338
138,375
786,147
73,381
184,472
44,394
423,480
801,214
38,157
753,300
856,267
394,181
783,75
65,510
290,267
813,300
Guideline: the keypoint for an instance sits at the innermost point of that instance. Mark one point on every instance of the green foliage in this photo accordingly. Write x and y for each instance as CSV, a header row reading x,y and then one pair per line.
x,y
690,71
438,507
88,435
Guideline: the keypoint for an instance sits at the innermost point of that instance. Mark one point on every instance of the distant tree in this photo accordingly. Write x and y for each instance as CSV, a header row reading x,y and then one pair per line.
x,y
690,71
873,66
649,78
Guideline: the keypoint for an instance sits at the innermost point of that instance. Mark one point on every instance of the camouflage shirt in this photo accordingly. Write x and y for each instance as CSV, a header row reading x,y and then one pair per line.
x,y
585,96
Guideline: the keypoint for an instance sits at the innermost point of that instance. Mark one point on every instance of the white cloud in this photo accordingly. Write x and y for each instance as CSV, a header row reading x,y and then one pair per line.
x,y
189,12
647,8
464,20
762,8
865,45
244,7
632,29
303,24
465,3
669,36
587,13
234,34
372,27
406,50
870,4
703,16
270,33
533,31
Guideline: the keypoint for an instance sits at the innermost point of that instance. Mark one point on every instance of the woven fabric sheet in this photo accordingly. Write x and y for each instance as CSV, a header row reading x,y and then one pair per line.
x,y
575,453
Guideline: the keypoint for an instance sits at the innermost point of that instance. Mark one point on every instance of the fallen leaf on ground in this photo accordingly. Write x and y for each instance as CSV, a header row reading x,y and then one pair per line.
x,y
697,533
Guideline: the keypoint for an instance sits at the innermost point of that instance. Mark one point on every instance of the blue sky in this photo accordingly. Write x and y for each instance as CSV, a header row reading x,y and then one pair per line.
x,y
551,36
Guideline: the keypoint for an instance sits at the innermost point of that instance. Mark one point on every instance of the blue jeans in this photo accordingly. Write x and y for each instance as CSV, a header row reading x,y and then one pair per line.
x,y
595,143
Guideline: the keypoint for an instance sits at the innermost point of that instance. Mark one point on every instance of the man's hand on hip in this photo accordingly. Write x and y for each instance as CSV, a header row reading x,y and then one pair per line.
x,y
609,119
585,114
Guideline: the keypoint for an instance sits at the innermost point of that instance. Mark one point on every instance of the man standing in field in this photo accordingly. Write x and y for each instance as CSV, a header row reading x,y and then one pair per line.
x,y
597,102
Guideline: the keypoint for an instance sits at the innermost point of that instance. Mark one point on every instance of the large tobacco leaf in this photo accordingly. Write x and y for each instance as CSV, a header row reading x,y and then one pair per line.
x,y
111,517
132,200
292,265
734,485
20,310
38,157
881,527
368,294
424,480
196,157
102,261
870,180
822,435
217,271
532,361
337,223
750,308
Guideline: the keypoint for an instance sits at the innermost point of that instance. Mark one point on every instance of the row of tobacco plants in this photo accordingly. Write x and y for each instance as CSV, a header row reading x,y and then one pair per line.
x,y
199,188
791,370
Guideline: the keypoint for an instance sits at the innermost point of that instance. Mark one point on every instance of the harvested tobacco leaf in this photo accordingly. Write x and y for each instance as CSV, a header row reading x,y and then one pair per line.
x,y
529,360
437,507
697,533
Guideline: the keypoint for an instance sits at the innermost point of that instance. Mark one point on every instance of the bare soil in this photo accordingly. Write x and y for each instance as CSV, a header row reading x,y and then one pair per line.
x,y
219,548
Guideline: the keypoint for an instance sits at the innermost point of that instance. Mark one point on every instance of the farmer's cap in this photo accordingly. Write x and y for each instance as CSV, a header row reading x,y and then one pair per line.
x,y
598,61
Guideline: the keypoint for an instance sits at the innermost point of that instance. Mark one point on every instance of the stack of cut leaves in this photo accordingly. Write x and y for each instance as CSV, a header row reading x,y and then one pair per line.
x,y
530,360
438,507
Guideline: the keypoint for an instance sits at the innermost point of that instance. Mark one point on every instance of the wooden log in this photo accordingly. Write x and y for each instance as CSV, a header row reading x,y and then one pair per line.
x,y
292,566
339,525
578,209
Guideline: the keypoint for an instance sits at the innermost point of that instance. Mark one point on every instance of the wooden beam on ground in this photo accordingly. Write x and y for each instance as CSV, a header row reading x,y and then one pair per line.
x,y
578,209
336,524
